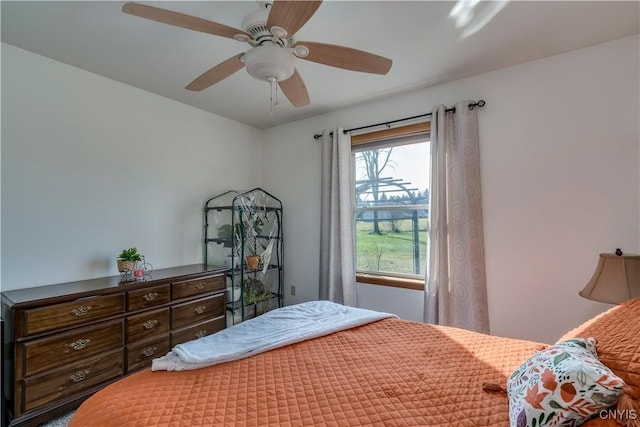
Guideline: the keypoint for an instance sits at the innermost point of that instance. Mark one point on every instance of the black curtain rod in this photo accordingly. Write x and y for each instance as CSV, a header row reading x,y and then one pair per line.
x,y
481,103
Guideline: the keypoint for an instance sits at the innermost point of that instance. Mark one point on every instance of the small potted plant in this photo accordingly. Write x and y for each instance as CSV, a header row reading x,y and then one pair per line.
x,y
251,231
127,260
244,237
230,237
253,261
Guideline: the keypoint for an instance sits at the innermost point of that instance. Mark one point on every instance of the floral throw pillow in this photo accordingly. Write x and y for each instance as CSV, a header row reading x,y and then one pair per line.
x,y
563,385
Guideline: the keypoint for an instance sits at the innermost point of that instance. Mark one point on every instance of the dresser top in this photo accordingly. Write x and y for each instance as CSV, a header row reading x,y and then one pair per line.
x,y
104,285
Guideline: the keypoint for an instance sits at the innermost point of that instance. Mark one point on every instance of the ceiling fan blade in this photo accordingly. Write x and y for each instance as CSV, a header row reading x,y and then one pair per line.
x,y
295,90
181,20
346,57
217,73
291,15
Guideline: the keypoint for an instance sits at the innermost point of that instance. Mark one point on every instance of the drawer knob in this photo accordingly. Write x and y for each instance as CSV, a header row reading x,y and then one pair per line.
x,y
200,286
80,344
81,311
149,351
79,376
201,333
150,296
200,309
150,324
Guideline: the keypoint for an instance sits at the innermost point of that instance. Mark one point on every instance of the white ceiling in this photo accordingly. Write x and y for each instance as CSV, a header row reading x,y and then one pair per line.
x,y
421,38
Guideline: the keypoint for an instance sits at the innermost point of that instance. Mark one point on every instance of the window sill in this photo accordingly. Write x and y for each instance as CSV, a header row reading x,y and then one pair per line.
x,y
391,281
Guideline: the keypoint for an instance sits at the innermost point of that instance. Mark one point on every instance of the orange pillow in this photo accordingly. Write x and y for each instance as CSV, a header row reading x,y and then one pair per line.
x,y
618,335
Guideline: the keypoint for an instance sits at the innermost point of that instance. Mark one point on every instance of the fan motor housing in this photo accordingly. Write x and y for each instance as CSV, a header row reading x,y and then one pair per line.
x,y
255,24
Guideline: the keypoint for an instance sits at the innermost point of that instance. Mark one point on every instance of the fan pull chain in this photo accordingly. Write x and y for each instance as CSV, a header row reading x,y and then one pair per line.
x,y
271,81
273,89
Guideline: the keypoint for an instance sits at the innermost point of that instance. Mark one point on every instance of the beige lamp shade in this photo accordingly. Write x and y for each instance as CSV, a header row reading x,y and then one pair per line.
x,y
617,279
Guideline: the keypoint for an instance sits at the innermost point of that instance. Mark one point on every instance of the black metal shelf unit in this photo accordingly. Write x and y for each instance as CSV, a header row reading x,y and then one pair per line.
x,y
239,226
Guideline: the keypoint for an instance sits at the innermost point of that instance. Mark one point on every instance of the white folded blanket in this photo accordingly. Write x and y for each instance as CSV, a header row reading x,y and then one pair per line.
x,y
277,328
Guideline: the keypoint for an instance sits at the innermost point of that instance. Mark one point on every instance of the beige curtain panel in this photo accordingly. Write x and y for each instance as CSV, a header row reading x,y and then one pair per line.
x,y
456,291
337,246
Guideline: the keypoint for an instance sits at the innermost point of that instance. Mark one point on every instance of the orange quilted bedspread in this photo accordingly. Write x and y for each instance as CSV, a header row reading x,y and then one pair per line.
x,y
392,372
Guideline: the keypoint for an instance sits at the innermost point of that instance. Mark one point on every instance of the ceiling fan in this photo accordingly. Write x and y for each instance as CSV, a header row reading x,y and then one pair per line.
x,y
272,57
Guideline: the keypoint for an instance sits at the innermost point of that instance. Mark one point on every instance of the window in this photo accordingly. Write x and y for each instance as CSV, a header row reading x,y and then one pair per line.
x,y
392,205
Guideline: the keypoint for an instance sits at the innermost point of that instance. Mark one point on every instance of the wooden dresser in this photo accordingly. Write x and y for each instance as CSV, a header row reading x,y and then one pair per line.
x,y
72,339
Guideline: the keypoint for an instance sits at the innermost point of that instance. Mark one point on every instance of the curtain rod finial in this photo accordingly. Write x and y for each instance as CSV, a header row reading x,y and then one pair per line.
x,y
478,104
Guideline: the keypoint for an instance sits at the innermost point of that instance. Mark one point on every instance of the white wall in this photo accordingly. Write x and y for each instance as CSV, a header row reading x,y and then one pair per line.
x,y
91,166
560,176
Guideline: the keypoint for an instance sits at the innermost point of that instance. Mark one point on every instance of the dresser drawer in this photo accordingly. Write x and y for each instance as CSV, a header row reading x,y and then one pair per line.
x,y
72,313
147,325
141,355
197,311
61,349
149,297
198,331
43,389
192,287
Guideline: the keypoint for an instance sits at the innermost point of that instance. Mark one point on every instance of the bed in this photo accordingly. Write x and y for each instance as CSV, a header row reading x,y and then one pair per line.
x,y
390,372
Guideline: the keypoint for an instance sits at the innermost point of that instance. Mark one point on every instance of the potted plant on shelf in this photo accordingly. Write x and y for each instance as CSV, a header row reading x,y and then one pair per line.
x,y
257,294
251,230
127,260
245,234
230,236
227,233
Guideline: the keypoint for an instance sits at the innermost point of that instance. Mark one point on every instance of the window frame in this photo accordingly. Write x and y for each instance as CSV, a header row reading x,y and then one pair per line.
x,y
361,142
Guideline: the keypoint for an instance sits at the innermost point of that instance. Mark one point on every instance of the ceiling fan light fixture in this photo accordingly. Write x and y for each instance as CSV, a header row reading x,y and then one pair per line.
x,y
241,37
278,31
269,62
301,51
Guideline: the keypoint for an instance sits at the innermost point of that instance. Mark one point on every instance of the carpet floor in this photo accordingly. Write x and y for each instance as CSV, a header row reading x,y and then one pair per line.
x,y
62,421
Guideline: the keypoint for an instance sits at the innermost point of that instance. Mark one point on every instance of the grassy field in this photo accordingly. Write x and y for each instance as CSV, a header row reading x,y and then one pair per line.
x,y
391,251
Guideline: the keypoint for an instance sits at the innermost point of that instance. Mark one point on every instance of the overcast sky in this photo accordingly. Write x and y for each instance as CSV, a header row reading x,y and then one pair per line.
x,y
410,163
